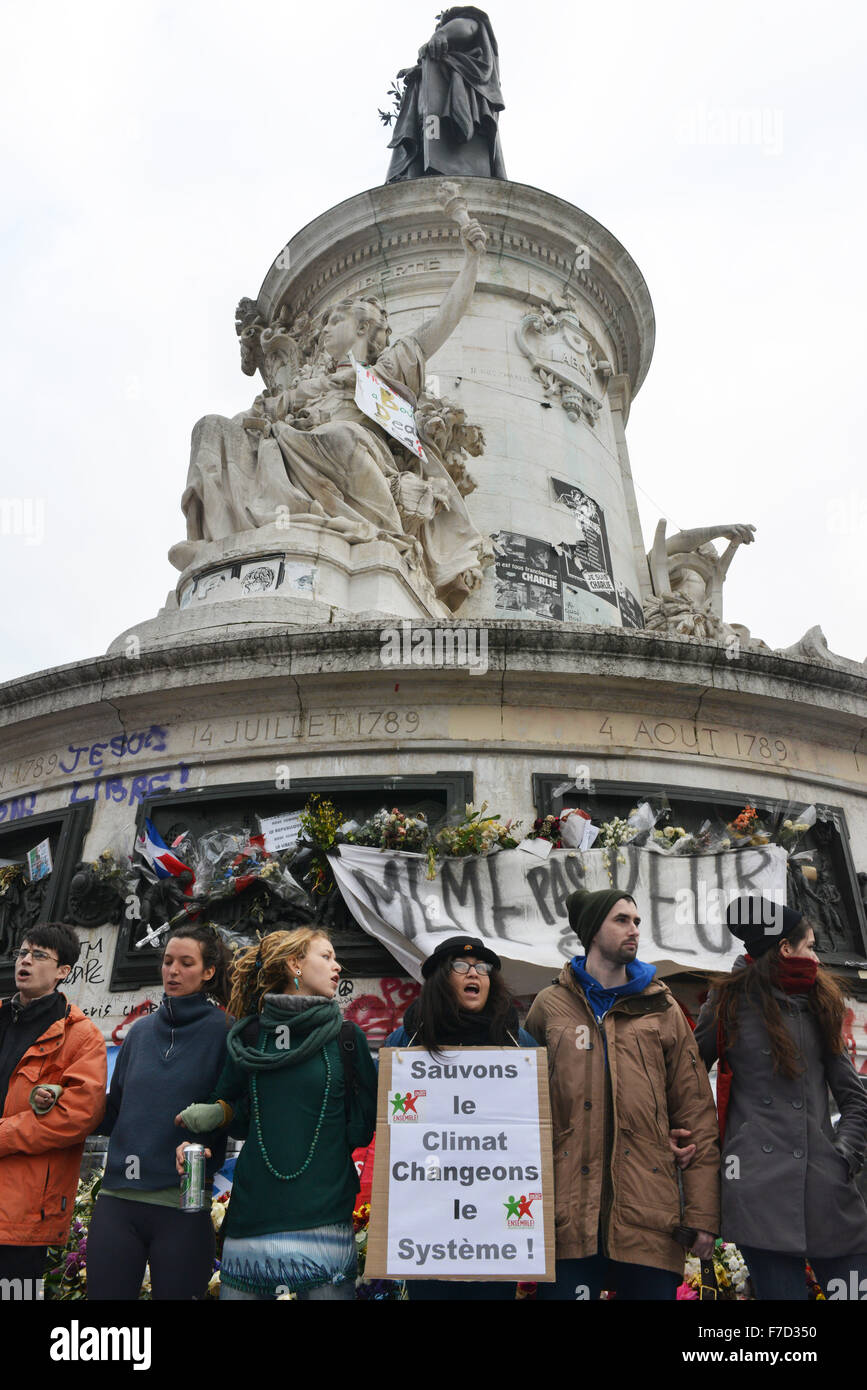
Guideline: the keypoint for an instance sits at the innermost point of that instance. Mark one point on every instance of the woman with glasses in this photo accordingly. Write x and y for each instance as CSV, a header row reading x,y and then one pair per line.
x,y
463,1003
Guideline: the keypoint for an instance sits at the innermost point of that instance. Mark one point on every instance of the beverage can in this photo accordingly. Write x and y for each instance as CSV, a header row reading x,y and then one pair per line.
x,y
193,1180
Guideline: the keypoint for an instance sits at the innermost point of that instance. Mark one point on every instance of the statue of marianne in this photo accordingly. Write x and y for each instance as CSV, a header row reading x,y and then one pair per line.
x,y
447,123
305,451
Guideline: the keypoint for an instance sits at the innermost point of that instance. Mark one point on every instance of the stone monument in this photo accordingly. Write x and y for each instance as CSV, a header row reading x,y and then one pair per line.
x,y
438,449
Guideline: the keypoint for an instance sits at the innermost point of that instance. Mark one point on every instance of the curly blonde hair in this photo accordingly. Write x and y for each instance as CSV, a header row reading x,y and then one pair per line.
x,y
264,968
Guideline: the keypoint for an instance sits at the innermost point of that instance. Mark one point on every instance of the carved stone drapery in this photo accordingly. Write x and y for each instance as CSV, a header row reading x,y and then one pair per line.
x,y
564,359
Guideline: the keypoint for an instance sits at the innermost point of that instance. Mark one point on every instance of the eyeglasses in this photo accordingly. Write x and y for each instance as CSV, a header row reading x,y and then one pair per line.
x,y
481,967
35,955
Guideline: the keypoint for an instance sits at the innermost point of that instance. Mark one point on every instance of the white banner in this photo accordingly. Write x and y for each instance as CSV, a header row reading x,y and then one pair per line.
x,y
462,1180
389,410
518,903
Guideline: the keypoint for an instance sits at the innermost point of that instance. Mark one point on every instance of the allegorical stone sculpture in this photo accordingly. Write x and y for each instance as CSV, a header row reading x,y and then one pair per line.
x,y
687,573
306,455
451,101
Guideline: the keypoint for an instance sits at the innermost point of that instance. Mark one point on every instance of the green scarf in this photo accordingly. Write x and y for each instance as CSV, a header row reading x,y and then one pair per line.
x,y
308,1031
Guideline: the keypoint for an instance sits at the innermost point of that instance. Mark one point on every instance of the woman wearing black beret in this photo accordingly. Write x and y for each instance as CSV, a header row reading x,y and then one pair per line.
x,y
463,1003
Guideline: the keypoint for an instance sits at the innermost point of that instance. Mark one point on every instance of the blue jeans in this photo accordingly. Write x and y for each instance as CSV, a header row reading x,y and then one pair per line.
x,y
587,1278
778,1276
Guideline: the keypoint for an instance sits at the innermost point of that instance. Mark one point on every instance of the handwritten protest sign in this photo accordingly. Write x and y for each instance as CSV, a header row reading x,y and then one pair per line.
x,y
386,408
518,903
463,1184
280,832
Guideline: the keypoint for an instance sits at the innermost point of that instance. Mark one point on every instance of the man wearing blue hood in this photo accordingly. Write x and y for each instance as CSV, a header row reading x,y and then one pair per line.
x,y
624,1071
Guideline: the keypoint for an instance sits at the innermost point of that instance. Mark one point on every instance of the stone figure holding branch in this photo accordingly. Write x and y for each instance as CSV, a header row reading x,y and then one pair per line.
x,y
448,118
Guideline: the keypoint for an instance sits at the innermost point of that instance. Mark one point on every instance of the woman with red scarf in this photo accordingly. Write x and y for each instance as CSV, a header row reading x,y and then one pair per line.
x,y
788,1189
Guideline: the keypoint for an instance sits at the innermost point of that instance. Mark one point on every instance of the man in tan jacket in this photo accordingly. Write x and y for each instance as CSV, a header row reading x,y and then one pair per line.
x,y
624,1071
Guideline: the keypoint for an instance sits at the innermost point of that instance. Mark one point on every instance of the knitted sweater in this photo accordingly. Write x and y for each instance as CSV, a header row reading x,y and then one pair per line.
x,y
167,1060
290,1104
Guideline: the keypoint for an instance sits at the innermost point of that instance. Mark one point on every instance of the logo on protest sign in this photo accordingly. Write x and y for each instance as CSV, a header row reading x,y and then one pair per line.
x,y
403,1106
389,410
519,1210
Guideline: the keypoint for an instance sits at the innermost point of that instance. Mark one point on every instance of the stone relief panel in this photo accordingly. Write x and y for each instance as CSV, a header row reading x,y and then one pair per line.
x,y
571,369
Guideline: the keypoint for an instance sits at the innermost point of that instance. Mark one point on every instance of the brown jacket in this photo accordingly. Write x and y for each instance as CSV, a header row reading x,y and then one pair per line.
x,y
40,1154
612,1160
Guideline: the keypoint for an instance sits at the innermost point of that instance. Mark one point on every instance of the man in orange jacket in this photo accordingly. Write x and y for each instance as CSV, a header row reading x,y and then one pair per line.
x,y
52,1095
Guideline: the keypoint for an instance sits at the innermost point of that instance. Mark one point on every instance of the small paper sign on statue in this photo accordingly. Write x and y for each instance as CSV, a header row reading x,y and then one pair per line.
x,y
388,409
463,1182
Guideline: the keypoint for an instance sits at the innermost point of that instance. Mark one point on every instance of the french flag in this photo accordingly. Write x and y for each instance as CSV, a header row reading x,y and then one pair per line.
x,y
153,848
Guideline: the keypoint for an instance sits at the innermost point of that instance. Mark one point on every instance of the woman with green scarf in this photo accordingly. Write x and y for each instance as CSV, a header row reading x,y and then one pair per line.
x,y
300,1087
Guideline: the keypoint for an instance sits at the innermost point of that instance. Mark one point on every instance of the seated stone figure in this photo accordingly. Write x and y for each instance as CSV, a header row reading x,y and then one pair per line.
x,y
306,453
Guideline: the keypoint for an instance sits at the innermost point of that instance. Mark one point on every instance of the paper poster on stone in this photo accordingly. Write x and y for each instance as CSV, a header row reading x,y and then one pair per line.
x,y
631,612
389,410
39,861
527,582
299,578
586,560
281,832
463,1176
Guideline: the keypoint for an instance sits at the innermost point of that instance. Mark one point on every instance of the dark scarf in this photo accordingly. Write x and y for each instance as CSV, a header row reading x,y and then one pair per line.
x,y
472,1030
20,1026
310,1021
797,975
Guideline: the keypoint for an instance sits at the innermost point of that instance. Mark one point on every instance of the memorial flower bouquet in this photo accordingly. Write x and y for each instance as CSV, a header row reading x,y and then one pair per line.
x,y
791,830
320,822
730,1270
9,874
669,837
615,832
113,868
547,828
394,830
747,828
377,1290
65,1271
477,833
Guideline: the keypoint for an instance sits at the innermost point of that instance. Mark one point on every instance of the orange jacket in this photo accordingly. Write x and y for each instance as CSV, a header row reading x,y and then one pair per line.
x,y
40,1155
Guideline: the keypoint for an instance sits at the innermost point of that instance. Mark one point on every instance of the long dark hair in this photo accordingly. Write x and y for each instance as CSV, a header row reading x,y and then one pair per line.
x,y
757,984
215,953
441,1019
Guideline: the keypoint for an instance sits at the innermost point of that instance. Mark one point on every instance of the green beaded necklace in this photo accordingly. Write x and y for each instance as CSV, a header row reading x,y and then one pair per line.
x,y
289,1177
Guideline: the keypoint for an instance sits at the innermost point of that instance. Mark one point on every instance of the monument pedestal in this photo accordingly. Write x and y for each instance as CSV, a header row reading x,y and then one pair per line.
x,y
286,576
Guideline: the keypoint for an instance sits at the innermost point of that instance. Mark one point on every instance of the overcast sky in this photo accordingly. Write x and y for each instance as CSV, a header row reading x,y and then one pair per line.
x,y
155,159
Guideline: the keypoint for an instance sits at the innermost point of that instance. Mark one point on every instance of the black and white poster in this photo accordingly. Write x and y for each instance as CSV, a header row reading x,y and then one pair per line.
x,y
528,578
587,559
631,612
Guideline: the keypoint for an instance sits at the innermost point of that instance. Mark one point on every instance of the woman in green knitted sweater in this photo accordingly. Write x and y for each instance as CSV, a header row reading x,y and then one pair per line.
x,y
300,1087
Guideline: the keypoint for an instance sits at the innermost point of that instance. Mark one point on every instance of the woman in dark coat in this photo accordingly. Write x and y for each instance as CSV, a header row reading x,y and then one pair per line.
x,y
788,1188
